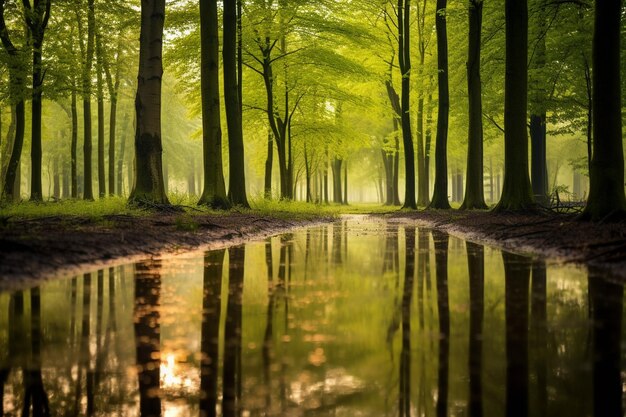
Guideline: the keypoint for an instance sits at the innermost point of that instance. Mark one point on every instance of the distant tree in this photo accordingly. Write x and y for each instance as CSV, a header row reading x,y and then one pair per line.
x,y
474,191
237,177
606,194
214,194
149,185
516,192
440,194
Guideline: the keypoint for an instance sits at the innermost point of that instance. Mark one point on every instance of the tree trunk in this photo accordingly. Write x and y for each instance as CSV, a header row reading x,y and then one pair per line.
x,y
12,179
36,193
74,148
268,166
538,99
517,192
474,189
148,180
65,179
396,173
214,193
345,184
100,92
337,194
440,194
7,146
404,26
606,193
120,160
87,65
237,177
56,178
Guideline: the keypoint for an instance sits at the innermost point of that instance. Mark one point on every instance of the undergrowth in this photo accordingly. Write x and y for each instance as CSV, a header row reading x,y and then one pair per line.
x,y
112,206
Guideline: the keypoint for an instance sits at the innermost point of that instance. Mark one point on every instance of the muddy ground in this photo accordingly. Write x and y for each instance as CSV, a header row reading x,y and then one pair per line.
x,y
560,236
32,250
35,249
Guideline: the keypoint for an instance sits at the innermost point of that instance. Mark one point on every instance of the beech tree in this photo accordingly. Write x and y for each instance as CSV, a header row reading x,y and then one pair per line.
x,y
516,192
214,194
606,195
474,188
149,187
237,177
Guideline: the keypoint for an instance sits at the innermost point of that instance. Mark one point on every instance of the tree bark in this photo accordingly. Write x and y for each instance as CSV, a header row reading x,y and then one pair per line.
x,y
606,194
268,166
517,192
474,190
73,147
237,177
149,186
214,192
440,193
404,25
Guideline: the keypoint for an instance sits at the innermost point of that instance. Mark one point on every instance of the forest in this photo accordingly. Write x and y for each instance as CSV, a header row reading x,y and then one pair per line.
x,y
421,104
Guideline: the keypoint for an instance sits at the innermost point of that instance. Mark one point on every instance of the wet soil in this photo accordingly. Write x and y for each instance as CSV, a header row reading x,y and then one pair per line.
x,y
32,250
560,236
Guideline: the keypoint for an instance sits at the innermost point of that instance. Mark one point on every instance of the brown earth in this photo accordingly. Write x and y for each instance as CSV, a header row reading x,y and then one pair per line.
x,y
546,234
32,250
35,249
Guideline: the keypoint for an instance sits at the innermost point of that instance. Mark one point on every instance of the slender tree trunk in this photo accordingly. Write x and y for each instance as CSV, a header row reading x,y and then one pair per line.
x,y
345,183
214,193
517,192
268,166
100,92
7,146
538,99
87,133
12,179
74,147
606,193
396,173
337,194
148,180
120,160
440,194
404,25
36,193
237,177
56,177
428,141
65,178
474,191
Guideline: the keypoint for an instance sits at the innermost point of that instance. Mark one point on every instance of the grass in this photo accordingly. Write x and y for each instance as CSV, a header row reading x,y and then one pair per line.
x,y
109,206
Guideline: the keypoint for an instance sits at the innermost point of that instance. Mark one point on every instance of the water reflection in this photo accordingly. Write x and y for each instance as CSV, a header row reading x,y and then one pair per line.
x,y
358,318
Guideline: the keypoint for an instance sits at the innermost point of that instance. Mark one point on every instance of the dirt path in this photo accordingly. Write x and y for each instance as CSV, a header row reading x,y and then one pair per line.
x,y
549,235
32,250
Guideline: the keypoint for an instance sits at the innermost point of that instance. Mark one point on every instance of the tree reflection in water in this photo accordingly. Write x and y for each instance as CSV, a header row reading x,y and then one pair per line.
x,y
321,336
517,279
607,309
443,307
209,345
476,269
148,335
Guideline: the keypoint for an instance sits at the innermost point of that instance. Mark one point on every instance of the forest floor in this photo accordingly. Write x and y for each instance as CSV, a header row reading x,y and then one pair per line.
x,y
39,247
37,243
545,234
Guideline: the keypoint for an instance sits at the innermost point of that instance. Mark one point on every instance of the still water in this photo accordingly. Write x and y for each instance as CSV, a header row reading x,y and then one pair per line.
x,y
359,318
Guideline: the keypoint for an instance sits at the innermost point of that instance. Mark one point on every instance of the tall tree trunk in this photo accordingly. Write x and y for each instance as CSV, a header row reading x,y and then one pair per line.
x,y
474,188
7,146
440,194
148,181
65,178
404,26
268,166
12,179
337,194
214,193
36,18
120,159
237,177
345,183
74,147
606,193
87,65
100,93
538,99
396,173
517,192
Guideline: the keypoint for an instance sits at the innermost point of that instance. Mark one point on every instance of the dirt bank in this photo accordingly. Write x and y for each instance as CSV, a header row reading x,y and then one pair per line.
x,y
32,250
551,235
